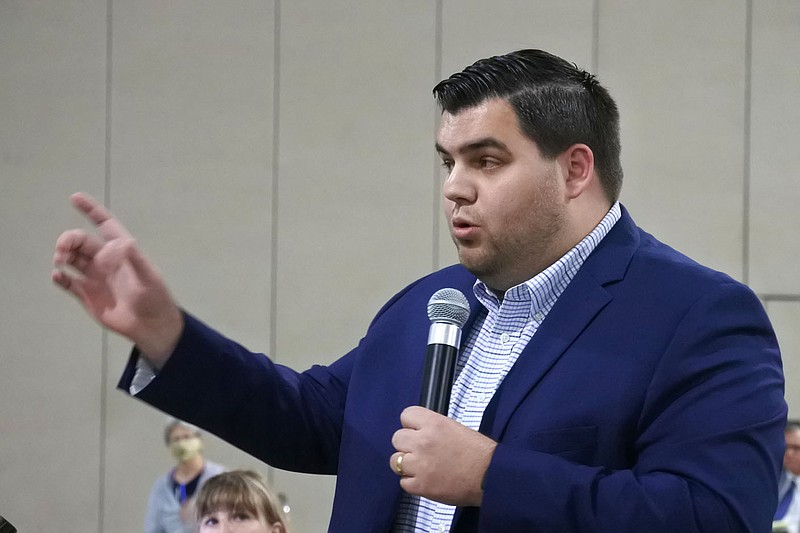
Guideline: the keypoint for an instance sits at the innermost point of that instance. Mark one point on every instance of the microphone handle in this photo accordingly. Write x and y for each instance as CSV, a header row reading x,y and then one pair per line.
x,y
437,380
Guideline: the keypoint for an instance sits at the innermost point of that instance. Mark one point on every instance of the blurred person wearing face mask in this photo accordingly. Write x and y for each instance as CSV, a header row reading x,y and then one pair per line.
x,y
170,507
239,502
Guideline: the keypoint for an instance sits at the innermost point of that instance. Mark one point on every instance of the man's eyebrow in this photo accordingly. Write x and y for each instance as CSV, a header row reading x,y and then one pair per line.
x,y
488,142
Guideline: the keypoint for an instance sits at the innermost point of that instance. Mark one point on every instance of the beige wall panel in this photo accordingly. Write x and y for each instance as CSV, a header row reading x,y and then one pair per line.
x,y
354,215
474,29
52,131
775,145
785,317
191,177
677,72
355,188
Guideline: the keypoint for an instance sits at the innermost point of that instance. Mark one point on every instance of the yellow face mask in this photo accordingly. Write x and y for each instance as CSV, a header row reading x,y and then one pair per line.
x,y
186,449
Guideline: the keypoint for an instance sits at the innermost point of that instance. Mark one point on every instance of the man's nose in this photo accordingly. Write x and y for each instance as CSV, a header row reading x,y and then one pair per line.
x,y
458,186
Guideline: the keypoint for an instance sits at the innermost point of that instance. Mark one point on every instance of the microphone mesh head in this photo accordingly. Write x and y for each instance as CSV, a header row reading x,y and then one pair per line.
x,y
448,305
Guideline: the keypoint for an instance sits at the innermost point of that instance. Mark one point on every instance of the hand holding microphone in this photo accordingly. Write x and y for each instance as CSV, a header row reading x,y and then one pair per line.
x,y
437,457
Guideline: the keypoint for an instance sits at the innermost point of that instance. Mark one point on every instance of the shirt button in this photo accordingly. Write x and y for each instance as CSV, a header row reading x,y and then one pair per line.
x,y
504,338
538,316
442,528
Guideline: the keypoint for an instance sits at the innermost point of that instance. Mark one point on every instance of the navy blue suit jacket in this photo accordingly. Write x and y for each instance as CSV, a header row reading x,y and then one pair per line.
x,y
649,400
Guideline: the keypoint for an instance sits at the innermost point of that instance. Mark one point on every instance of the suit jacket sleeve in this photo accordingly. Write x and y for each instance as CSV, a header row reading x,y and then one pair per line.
x,y
292,420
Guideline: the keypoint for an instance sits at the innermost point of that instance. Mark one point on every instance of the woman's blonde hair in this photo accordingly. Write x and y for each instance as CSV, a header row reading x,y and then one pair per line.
x,y
240,491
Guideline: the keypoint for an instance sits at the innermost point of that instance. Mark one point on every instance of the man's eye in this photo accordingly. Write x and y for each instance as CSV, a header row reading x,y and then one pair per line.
x,y
447,165
489,163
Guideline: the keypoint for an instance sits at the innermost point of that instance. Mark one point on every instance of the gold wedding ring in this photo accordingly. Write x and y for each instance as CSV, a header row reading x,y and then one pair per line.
x,y
398,464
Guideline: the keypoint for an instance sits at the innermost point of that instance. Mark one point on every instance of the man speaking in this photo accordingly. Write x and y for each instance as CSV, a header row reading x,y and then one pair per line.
x,y
604,382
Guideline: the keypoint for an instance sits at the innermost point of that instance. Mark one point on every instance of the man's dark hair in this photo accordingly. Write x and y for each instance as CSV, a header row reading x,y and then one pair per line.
x,y
557,105
792,425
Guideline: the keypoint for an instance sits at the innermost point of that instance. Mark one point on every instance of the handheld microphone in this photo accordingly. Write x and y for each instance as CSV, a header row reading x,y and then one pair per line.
x,y
448,310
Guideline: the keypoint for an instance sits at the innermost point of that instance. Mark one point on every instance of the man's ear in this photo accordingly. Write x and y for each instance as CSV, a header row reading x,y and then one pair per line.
x,y
578,164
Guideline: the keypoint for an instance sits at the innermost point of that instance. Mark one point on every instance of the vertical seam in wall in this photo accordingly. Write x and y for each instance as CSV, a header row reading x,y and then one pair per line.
x,y
276,86
748,61
104,335
437,67
275,180
596,37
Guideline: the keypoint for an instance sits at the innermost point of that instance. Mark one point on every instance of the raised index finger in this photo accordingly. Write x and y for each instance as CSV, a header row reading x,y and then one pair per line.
x,y
108,226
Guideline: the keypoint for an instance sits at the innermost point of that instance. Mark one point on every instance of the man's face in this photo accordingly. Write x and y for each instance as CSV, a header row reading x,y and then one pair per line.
x,y
504,202
791,458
